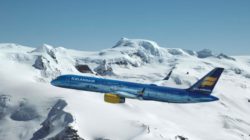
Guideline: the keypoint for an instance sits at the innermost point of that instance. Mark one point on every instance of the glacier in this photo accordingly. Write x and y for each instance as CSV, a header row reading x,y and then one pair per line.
x,y
29,105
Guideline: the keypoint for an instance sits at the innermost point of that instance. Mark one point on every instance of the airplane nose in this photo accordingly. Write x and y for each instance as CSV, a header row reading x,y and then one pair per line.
x,y
53,82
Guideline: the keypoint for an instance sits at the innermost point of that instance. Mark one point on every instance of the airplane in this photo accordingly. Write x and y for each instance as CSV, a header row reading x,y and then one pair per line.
x,y
116,91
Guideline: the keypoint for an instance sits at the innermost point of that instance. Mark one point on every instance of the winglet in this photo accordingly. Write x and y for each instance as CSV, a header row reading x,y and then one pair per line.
x,y
169,74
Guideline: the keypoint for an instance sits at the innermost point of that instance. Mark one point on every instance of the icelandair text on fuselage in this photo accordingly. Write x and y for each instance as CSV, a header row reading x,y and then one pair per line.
x,y
82,79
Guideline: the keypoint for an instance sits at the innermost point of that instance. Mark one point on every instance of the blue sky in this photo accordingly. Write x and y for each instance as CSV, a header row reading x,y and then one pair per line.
x,y
219,25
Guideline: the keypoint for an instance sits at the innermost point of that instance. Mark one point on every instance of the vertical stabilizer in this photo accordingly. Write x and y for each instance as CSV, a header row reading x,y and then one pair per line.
x,y
206,84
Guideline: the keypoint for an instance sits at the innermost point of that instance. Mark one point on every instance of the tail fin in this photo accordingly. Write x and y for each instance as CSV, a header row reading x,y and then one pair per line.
x,y
206,84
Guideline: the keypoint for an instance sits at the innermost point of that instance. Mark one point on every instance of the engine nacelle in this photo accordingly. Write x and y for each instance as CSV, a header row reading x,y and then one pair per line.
x,y
113,98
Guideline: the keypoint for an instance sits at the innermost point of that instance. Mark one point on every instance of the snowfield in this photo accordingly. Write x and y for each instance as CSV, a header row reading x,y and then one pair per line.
x,y
31,108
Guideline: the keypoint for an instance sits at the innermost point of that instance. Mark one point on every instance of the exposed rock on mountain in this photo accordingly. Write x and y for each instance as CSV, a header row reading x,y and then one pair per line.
x,y
204,53
24,112
84,69
41,62
67,134
104,69
56,121
221,56
4,101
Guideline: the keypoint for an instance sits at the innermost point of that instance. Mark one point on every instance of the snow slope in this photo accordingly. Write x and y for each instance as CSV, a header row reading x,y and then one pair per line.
x,y
33,109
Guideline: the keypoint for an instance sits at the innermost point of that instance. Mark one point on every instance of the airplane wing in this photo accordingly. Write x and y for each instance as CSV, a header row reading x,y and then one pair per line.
x,y
119,96
125,94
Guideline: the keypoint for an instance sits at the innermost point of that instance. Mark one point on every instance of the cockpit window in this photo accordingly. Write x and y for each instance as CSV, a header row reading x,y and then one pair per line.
x,y
59,78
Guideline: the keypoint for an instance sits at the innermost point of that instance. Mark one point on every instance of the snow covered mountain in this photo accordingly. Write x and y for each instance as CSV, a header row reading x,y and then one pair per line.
x,y
33,109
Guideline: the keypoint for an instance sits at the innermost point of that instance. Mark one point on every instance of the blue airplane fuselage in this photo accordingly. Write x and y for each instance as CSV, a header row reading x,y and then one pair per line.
x,y
131,89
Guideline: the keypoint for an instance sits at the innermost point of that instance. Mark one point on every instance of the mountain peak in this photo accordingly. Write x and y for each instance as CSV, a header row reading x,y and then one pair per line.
x,y
136,43
44,48
11,46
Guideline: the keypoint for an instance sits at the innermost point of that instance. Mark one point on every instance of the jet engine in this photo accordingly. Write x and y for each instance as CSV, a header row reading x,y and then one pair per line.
x,y
113,98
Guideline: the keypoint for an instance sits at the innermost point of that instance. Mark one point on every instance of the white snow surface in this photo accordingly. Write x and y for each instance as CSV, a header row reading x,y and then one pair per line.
x,y
26,96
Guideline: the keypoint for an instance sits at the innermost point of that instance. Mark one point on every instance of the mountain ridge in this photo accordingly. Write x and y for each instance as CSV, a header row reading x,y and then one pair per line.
x,y
26,96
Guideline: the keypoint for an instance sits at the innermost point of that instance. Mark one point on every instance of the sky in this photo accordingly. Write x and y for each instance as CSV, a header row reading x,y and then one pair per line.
x,y
92,25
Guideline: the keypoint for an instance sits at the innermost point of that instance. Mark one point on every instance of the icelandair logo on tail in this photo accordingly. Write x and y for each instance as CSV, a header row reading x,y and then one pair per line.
x,y
208,81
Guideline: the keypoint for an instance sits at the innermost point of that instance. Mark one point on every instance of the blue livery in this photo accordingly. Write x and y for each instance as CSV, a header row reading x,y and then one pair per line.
x,y
116,91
